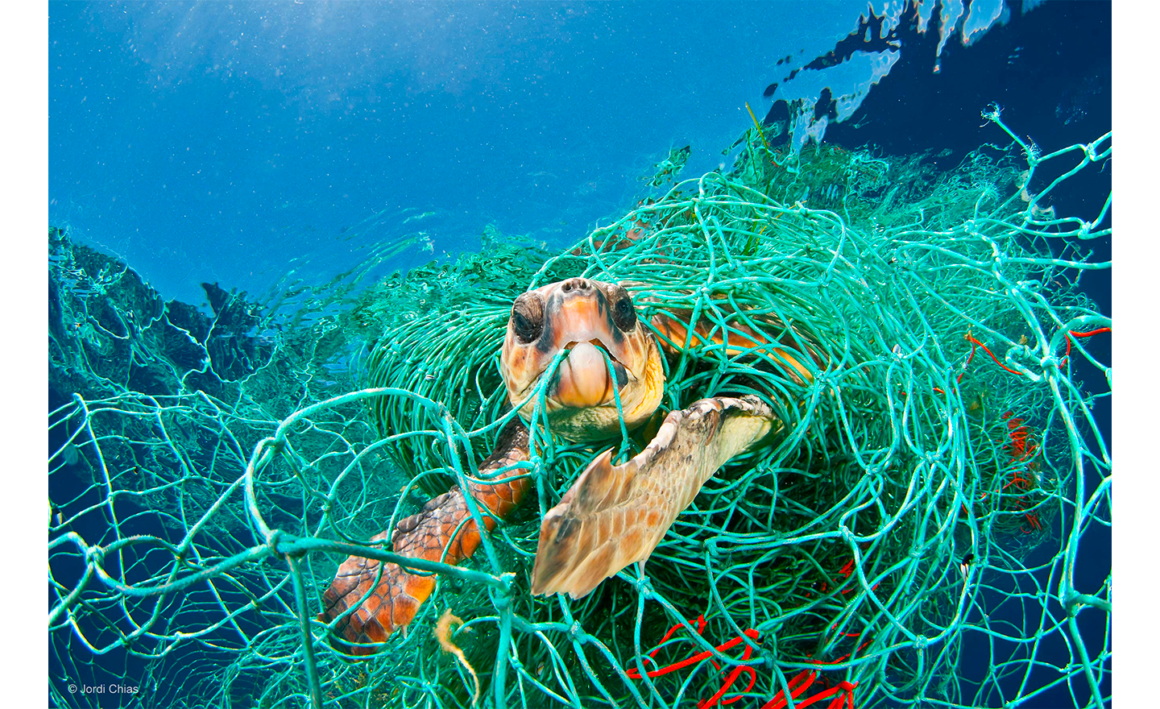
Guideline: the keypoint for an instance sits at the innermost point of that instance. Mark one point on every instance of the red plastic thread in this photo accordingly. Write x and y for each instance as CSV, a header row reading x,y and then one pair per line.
x,y
846,572
842,658
844,691
750,633
801,682
976,343
635,674
1021,451
1073,333
729,680
712,701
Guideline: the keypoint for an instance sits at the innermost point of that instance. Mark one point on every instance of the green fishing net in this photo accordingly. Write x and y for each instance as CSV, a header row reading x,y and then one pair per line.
x,y
911,539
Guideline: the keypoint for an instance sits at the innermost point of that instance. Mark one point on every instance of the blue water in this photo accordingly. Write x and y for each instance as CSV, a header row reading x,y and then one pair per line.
x,y
209,142
236,143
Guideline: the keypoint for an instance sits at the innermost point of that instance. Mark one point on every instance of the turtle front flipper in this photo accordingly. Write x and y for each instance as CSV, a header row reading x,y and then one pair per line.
x,y
425,535
616,515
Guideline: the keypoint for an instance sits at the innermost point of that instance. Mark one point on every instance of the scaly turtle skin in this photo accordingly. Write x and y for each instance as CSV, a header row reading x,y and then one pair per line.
x,y
614,515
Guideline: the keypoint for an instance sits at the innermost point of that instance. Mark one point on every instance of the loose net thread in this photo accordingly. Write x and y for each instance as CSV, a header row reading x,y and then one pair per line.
x,y
924,506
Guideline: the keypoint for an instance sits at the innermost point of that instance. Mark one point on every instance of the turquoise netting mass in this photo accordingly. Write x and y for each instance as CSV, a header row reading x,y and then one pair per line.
x,y
912,539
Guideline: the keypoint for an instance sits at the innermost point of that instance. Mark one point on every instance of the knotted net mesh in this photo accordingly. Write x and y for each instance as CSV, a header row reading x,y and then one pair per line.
x,y
911,539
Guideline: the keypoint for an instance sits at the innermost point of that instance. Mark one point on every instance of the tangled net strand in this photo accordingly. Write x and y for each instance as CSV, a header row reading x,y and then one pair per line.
x,y
924,507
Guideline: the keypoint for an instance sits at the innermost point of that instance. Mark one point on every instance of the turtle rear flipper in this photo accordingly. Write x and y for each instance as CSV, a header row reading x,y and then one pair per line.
x,y
430,534
614,516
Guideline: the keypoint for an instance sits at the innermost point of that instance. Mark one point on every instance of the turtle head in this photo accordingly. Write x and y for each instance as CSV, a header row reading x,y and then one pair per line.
x,y
578,316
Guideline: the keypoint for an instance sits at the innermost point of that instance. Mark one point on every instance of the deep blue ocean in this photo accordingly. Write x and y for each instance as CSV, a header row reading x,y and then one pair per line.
x,y
255,144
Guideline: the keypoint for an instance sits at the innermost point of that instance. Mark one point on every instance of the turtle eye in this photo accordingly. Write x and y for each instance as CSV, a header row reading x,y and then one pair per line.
x,y
623,313
527,318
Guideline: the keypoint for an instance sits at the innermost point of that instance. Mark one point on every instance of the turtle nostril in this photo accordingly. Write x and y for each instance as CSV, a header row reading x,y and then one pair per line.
x,y
577,284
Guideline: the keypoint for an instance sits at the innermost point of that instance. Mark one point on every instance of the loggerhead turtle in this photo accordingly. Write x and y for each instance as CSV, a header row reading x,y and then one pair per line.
x,y
613,515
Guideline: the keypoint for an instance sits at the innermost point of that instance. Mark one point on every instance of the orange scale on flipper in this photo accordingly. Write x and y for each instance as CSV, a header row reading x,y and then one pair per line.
x,y
465,544
404,608
417,587
371,605
373,631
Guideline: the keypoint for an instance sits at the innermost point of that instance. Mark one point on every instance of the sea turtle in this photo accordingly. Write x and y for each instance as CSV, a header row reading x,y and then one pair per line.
x,y
613,515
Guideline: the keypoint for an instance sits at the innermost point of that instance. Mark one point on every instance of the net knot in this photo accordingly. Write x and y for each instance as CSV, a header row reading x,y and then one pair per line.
x,y
94,554
577,632
272,540
920,642
767,653
501,598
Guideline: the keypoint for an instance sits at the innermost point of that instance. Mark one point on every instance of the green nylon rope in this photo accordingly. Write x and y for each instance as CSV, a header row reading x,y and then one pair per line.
x,y
945,419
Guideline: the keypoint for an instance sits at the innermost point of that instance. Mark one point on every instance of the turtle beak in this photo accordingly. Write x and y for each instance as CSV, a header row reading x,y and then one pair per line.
x,y
583,379
602,362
